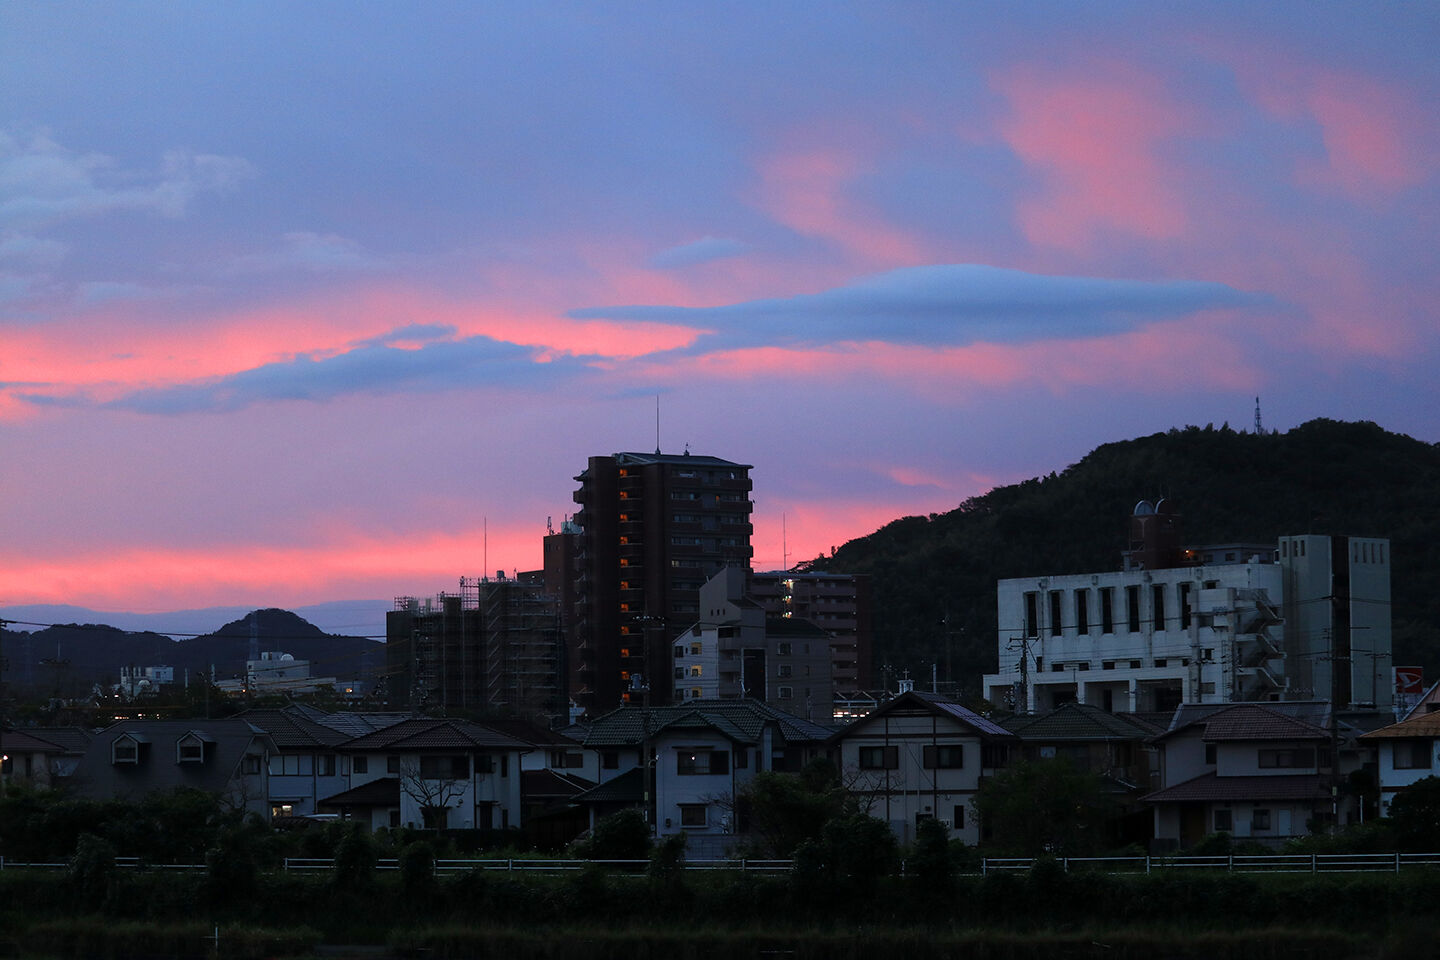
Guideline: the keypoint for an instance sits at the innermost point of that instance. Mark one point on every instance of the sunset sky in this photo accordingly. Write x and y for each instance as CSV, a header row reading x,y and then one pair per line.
x,y
308,301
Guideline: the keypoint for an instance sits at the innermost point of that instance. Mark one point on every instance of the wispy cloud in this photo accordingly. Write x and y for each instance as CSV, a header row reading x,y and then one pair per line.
x,y
700,251
41,182
940,305
373,369
312,253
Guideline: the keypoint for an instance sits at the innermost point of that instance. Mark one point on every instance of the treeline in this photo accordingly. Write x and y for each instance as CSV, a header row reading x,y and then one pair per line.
x,y
934,577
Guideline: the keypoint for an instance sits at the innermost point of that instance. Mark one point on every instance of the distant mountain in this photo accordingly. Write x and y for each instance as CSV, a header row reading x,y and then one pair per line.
x,y
362,618
67,659
934,577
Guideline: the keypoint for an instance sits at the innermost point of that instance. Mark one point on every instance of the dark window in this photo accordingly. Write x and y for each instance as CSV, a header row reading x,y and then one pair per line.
x,y
693,763
1055,619
879,758
1107,610
693,814
484,763
959,822
742,758
1184,606
1032,601
504,764
325,765
1224,821
1260,819
360,764
1210,754
1082,611
944,757
1157,604
1287,758
1413,754
392,764
446,767
251,764
610,760
191,751
1132,608
994,755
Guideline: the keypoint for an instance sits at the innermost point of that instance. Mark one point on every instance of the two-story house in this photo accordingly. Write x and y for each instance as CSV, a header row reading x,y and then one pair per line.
x,y
306,764
229,758
433,773
1409,751
1263,772
922,756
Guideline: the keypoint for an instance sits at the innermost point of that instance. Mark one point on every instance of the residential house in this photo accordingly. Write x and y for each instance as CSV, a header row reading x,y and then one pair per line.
x,y
434,773
25,759
922,756
1257,771
306,764
686,764
229,758
1409,751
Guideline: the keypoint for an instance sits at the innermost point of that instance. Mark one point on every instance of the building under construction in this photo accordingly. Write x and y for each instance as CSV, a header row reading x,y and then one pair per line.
x,y
493,648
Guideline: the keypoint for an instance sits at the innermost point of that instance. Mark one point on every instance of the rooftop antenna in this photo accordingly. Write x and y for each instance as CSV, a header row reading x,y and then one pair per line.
x,y
657,424
1258,429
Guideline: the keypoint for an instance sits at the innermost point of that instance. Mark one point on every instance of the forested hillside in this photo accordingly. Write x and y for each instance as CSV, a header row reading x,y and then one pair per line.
x,y
934,577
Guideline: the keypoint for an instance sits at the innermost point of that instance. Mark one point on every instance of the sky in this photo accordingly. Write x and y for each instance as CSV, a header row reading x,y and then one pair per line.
x,y
303,303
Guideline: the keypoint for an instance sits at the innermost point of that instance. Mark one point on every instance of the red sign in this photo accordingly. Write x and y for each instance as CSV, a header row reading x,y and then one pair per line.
x,y
1410,680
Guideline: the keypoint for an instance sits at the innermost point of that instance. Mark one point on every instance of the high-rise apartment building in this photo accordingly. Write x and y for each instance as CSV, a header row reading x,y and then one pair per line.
x,y
652,529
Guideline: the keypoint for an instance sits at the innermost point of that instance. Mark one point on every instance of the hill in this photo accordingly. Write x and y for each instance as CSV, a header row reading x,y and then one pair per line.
x,y
934,577
65,660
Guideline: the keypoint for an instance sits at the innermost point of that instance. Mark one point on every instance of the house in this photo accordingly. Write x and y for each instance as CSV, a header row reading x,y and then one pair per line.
x,y
26,759
306,764
686,764
432,772
1407,753
1258,771
922,756
228,758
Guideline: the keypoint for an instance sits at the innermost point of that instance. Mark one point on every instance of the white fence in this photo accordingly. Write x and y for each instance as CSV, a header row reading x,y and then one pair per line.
x,y
1256,863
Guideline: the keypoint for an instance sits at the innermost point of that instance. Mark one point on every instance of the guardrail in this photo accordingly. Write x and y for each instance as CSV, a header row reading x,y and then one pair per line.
x,y
1248,863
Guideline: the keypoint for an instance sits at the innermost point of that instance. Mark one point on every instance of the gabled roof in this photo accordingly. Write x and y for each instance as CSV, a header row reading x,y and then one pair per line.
x,y
629,787
741,721
1208,787
292,729
384,792
935,704
549,784
15,741
156,768
351,724
532,734
1079,722
426,733
1250,721
73,740
1425,725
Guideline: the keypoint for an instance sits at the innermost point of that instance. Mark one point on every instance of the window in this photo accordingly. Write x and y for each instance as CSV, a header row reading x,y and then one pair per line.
x,y
783,649
1412,754
1259,820
1032,601
392,764
679,673
879,758
610,760
484,763
959,822
504,764
1184,606
124,751
1224,820
1132,608
1055,620
695,670
1157,604
445,767
785,693
359,765
251,764
190,750
325,765
784,670
944,757
696,693
741,758
1210,754
696,649
1287,758
1082,612
1107,610
693,814
699,763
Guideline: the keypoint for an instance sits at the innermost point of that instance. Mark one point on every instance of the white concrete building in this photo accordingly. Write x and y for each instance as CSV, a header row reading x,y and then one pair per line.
x,y
1211,624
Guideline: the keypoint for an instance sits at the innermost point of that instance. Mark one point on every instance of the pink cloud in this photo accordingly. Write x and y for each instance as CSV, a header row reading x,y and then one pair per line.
x,y
811,191
1097,138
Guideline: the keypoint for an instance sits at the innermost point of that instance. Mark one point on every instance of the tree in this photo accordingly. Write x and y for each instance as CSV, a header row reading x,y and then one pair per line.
x,y
1415,816
434,795
621,836
783,810
1045,807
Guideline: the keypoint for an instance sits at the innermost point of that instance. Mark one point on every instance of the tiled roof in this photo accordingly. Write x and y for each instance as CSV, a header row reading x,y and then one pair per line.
x,y
629,787
1419,725
425,733
1079,722
292,730
1209,787
934,703
18,742
357,724
739,720
1249,721
1314,712
231,738
384,792
72,740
